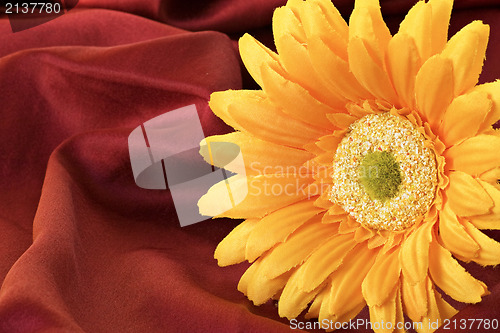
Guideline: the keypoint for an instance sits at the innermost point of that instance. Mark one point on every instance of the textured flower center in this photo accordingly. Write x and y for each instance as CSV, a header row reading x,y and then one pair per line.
x,y
383,173
380,175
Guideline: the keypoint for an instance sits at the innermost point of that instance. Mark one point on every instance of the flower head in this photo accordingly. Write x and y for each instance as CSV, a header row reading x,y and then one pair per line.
x,y
371,163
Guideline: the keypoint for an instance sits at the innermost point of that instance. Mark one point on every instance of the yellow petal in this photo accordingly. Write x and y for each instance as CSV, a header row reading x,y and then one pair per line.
x,y
252,112
467,50
327,37
463,117
254,196
452,278
417,25
489,253
475,155
329,142
369,73
332,318
466,196
297,247
492,177
346,282
414,254
335,71
324,261
381,279
492,220
454,236
415,299
294,299
368,39
296,101
341,120
254,54
439,310
366,23
295,59
434,88
403,63
321,20
399,313
231,250
493,91
259,156
385,313
247,277
441,12
277,226
362,234
286,22
258,287
315,306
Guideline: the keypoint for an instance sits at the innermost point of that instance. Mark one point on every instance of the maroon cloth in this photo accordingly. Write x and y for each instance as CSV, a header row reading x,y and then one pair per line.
x,y
83,248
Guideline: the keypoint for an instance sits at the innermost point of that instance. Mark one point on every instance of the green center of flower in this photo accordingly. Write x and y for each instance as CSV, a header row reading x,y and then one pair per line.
x,y
379,175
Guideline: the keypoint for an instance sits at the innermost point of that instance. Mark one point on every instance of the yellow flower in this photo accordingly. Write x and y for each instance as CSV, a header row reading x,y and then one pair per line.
x,y
371,164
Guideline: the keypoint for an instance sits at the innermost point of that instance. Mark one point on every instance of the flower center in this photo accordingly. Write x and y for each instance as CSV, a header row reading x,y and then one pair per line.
x,y
379,175
384,173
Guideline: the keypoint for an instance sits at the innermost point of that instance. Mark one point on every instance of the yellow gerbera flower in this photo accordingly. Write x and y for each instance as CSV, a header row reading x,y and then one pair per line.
x,y
371,164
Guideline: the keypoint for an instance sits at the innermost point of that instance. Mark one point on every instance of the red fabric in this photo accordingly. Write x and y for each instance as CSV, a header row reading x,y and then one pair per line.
x,y
83,248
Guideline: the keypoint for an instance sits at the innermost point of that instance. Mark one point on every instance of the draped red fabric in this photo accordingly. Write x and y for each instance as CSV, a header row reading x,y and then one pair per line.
x,y
82,247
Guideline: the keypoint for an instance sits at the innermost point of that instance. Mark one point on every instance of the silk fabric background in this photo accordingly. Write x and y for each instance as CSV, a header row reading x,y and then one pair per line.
x,y
82,248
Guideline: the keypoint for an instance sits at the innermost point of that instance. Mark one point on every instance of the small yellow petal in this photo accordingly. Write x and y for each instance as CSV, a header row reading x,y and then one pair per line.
x,y
294,57
296,101
493,91
369,73
258,287
434,89
315,306
297,247
382,278
417,25
231,250
367,24
467,50
259,156
277,226
403,63
463,186
441,12
489,254
335,71
491,220
254,54
439,310
341,120
321,20
415,299
385,313
475,155
324,261
452,278
294,299
254,196
414,254
463,117
346,282
251,111
454,236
